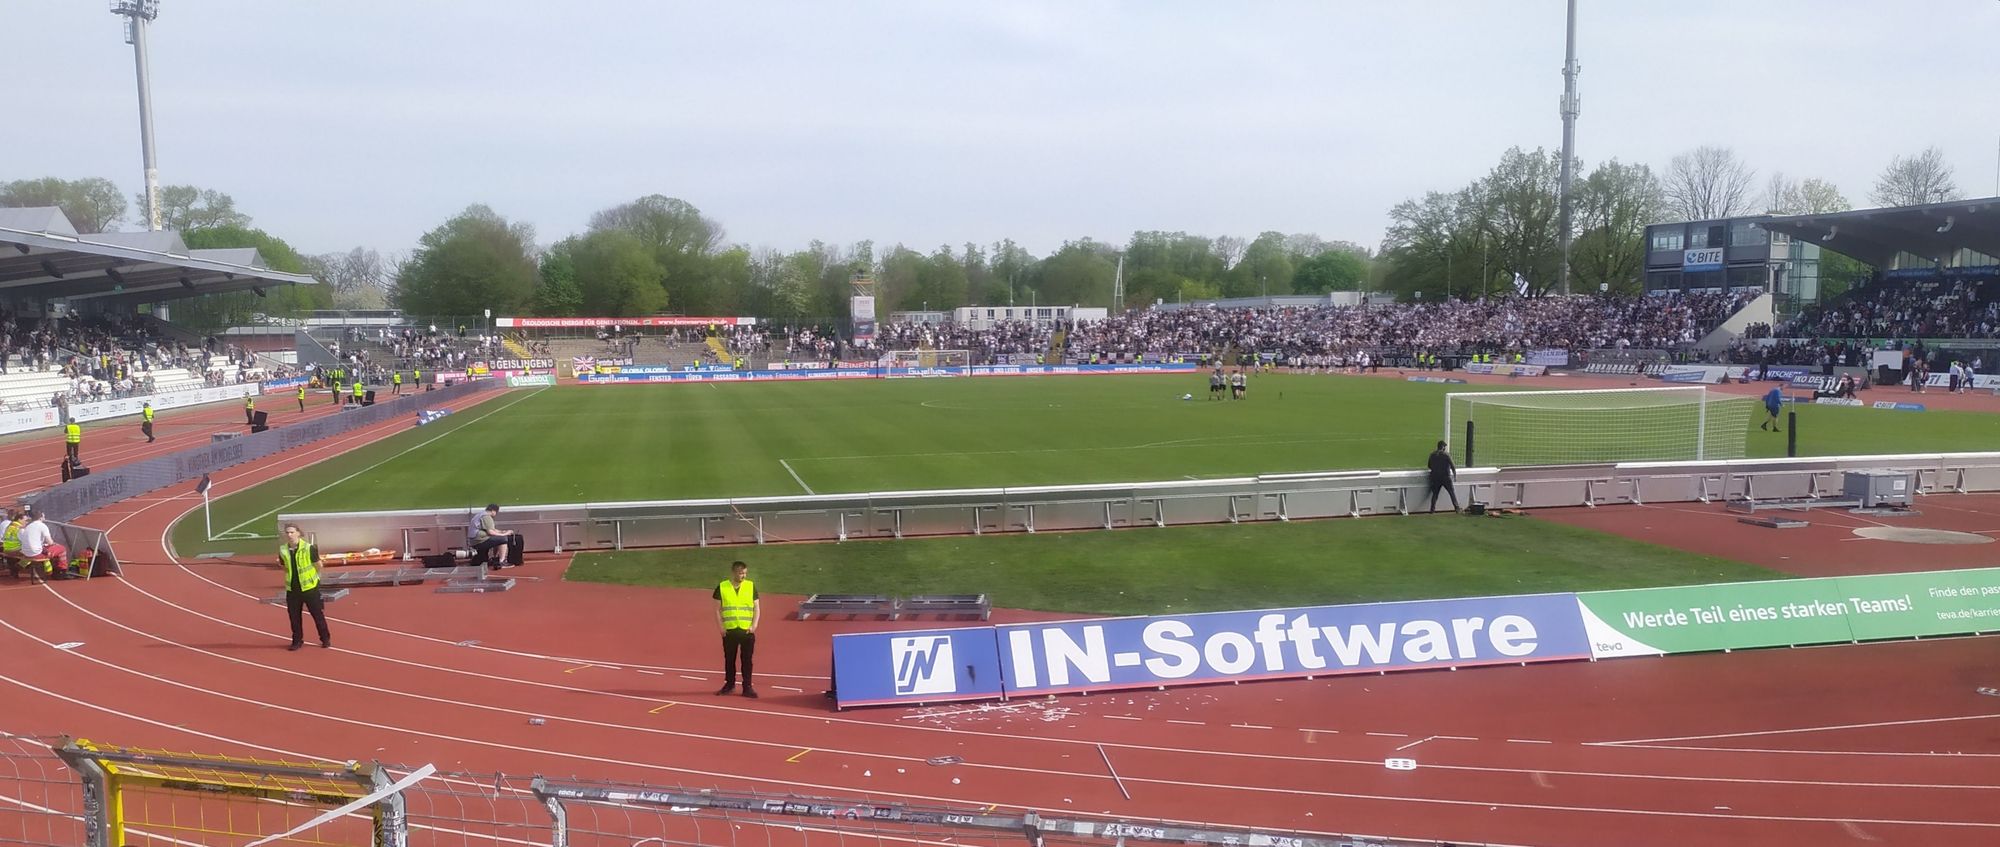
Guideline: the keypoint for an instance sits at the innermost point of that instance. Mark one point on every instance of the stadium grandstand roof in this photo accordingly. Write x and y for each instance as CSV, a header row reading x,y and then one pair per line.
x,y
1935,231
42,256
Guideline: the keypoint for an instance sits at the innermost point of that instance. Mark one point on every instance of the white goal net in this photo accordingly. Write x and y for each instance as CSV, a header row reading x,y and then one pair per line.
x,y
1514,428
927,359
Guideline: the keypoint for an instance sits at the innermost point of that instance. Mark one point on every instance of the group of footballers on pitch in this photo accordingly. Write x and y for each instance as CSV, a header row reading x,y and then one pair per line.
x,y
1236,381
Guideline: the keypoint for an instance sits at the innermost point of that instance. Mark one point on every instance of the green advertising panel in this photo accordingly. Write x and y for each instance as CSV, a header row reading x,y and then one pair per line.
x,y
1730,616
1935,603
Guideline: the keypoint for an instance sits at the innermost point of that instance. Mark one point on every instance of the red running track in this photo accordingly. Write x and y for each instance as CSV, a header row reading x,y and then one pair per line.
x,y
1882,743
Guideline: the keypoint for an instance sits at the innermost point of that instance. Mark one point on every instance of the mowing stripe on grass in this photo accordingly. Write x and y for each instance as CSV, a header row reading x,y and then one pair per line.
x,y
482,416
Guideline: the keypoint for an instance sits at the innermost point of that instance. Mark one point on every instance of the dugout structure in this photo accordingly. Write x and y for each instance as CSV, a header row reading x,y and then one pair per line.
x,y
1516,428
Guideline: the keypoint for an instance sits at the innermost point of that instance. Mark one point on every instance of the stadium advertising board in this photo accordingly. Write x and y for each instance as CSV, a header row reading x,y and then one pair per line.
x,y
1899,407
1117,653
916,666
862,307
1654,621
1506,369
1551,358
537,380
28,419
1818,383
634,374
274,386
593,323
1702,259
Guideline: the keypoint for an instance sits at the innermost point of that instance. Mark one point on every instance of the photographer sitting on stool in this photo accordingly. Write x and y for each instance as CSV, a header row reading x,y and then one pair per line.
x,y
488,536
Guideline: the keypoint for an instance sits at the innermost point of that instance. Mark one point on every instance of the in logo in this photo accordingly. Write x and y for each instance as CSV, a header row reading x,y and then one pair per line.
x,y
923,665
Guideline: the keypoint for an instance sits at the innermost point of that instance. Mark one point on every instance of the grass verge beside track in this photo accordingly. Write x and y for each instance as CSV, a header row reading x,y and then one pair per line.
x,y
1199,568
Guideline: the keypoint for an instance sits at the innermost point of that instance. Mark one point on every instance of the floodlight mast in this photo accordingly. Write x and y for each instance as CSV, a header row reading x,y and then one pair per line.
x,y
1570,107
137,14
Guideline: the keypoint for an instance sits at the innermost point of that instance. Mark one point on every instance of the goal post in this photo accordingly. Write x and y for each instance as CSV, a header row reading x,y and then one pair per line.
x,y
928,359
134,796
1679,423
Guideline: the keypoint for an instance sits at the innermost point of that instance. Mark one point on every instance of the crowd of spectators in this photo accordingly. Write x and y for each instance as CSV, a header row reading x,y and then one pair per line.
x,y
1931,308
1439,328
110,358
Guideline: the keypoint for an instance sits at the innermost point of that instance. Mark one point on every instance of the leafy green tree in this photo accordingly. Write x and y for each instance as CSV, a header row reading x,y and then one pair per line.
x,y
185,207
1333,270
476,260
682,242
556,291
92,204
1613,206
1266,268
1079,274
617,275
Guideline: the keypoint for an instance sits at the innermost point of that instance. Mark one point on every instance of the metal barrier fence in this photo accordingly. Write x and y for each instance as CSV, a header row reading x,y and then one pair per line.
x,y
81,496
65,793
1279,497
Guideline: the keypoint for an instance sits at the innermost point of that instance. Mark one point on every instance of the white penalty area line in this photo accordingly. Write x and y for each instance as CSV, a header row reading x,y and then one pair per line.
x,y
400,454
795,476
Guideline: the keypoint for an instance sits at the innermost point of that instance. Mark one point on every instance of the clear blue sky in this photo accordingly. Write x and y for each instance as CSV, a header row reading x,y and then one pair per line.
x,y
343,123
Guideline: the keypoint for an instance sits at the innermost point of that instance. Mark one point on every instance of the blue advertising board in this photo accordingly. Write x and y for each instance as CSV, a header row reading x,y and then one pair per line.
x,y
1116,653
644,374
916,666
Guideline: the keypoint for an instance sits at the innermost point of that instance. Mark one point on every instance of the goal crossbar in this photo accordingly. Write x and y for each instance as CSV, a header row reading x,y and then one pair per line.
x,y
1599,425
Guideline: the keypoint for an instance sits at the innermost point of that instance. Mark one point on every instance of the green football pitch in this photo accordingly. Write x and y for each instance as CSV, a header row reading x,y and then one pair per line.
x,y
638,442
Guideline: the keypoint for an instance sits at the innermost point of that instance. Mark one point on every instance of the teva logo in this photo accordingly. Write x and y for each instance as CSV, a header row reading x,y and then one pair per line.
x,y
923,665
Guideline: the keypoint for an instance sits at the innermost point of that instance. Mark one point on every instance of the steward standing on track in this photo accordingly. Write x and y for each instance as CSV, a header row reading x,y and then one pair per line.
x,y
738,610
397,381
72,440
356,400
249,410
146,421
302,396
301,562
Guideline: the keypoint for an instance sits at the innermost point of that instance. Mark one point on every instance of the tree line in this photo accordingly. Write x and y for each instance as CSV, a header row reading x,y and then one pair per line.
x,y
660,254
1503,231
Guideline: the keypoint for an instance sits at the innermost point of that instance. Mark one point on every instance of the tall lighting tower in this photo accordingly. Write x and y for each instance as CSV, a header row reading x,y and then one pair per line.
x,y
137,14
1570,107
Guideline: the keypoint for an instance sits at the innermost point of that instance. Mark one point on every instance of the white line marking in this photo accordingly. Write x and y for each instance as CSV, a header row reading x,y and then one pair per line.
x,y
1857,832
795,474
1248,726
1454,738
781,688
1114,772
1119,717
695,678
1527,741
654,673
1327,731
1389,735
1416,742
481,417
1829,728
1186,723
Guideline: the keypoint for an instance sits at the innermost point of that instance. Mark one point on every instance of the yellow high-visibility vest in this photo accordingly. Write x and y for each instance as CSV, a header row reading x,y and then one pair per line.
x,y
11,540
357,389
399,378
738,604
148,412
300,563
73,433
302,391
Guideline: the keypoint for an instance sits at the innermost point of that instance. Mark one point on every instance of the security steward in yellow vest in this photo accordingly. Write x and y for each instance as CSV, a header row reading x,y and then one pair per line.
x,y
738,610
301,564
357,393
397,381
302,396
72,440
146,421
249,410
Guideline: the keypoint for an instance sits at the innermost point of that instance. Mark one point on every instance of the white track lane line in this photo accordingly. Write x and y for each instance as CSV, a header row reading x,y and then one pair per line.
x,y
530,713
